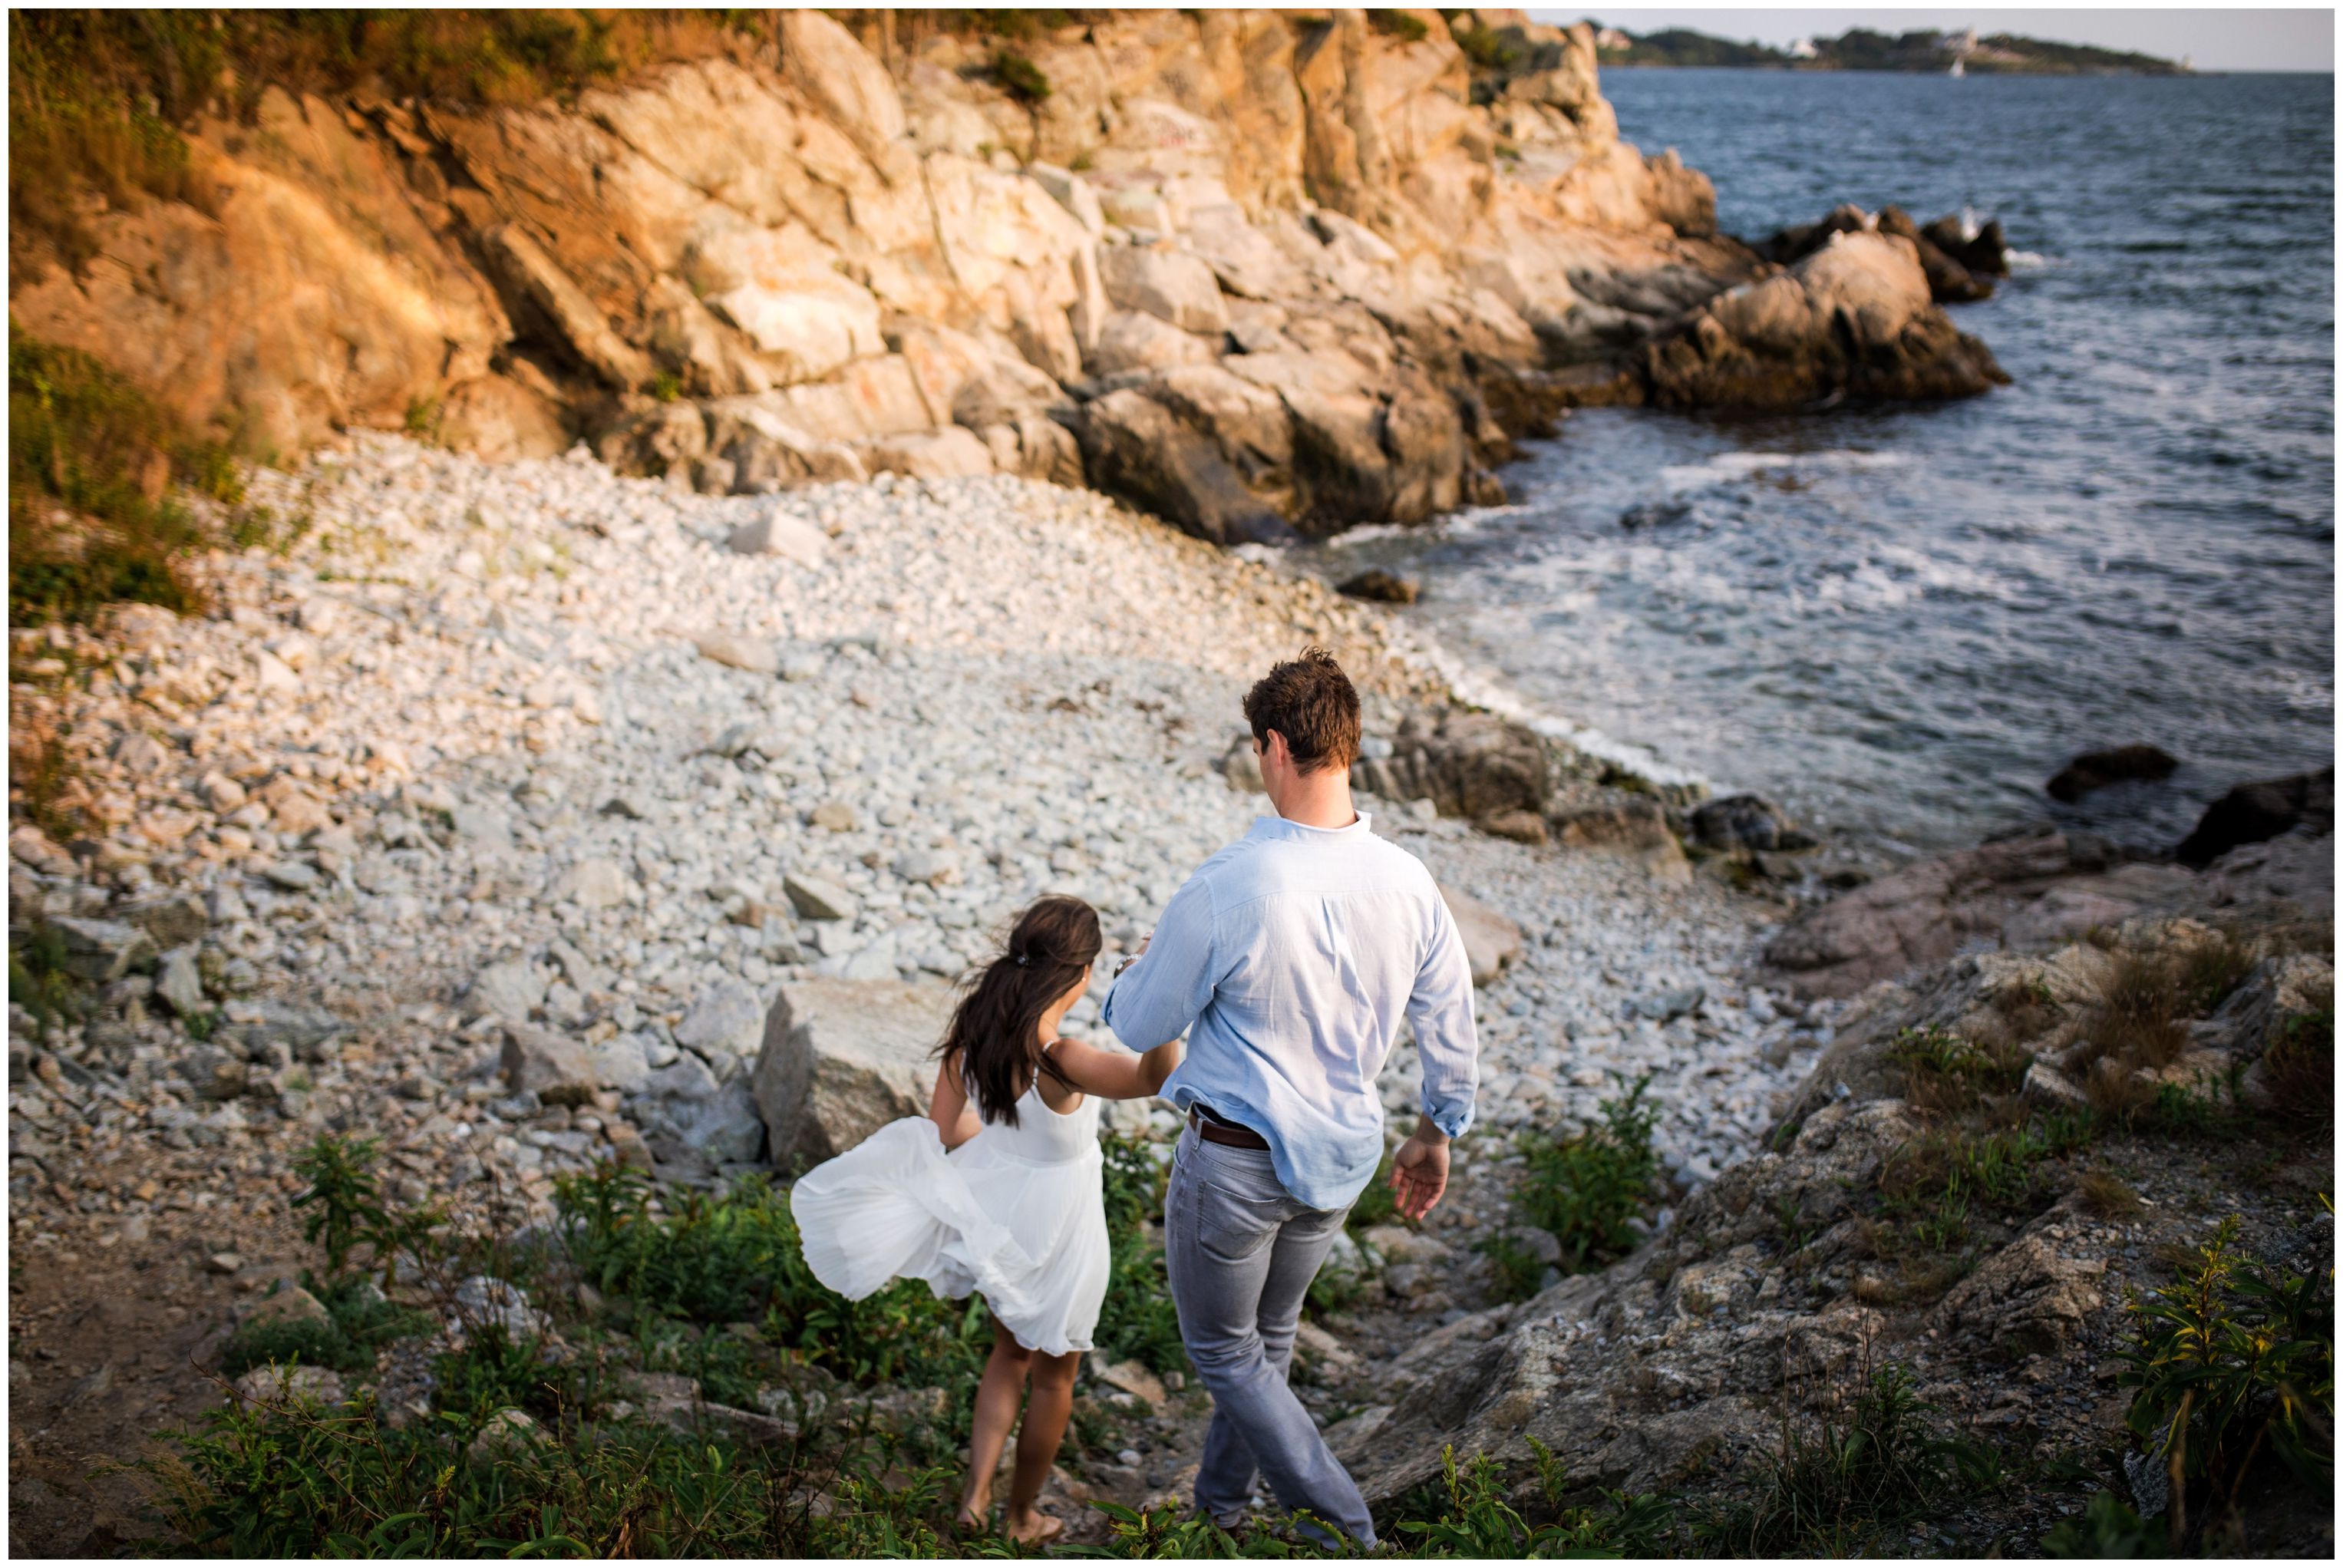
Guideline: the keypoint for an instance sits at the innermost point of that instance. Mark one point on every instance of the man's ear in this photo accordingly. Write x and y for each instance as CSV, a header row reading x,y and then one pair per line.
x,y
1275,746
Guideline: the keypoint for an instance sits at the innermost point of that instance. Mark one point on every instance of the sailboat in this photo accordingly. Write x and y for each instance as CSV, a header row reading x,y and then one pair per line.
x,y
1960,69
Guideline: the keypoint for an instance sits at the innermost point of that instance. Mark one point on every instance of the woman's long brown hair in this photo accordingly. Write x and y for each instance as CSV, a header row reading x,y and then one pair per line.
x,y
995,1029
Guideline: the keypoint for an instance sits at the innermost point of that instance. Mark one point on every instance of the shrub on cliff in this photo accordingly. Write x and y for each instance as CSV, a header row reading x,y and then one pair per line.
x,y
91,460
97,99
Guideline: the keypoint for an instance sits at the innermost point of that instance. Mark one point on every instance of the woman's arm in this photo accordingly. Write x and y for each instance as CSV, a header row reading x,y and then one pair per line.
x,y
1113,1074
949,1109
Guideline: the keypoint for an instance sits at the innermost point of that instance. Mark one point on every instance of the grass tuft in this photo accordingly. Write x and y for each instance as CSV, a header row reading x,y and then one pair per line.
x,y
1585,1189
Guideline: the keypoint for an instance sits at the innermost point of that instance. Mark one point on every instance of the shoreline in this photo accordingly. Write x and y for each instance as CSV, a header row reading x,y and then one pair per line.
x,y
519,789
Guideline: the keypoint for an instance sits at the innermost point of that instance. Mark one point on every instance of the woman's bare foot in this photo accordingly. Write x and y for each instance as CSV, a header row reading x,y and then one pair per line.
x,y
973,1509
1035,1529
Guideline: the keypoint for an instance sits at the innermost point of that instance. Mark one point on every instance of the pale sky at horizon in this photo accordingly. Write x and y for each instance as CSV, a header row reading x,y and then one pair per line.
x,y
2218,39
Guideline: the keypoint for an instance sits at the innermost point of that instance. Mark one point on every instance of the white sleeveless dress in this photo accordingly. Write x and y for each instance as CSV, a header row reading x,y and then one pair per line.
x,y
1015,1213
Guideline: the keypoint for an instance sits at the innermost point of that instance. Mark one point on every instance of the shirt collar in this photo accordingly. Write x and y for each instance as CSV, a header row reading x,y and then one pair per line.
x,y
1275,827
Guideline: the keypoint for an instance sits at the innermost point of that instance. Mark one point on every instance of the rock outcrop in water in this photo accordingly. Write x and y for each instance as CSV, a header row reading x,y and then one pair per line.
x,y
1257,271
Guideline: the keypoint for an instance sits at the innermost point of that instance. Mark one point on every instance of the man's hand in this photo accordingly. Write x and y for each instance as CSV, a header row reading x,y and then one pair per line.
x,y
1420,1171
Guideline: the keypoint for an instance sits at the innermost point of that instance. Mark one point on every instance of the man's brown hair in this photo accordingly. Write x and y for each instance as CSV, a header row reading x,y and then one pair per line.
x,y
1311,702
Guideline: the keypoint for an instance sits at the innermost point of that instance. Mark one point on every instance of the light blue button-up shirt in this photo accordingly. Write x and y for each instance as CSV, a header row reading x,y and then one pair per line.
x,y
1290,958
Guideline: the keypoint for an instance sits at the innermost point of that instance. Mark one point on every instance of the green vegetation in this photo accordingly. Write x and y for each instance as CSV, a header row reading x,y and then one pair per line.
x,y
1490,49
1399,25
2233,1359
1835,1489
2107,1528
1138,1319
1585,1189
2300,1064
1020,77
97,100
37,979
1861,49
90,462
1476,1522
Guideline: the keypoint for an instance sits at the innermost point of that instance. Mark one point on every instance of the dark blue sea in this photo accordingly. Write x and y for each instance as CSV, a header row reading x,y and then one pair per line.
x,y
1900,623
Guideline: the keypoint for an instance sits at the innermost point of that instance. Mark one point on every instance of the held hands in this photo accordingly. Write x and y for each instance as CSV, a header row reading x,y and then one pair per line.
x,y
1420,1171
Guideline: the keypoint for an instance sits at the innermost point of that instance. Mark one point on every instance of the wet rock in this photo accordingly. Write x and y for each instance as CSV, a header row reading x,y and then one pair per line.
x,y
2097,770
1852,320
2250,813
1380,585
841,1059
1745,823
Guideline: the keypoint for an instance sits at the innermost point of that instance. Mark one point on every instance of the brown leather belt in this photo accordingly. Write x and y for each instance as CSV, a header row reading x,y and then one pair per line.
x,y
1236,1137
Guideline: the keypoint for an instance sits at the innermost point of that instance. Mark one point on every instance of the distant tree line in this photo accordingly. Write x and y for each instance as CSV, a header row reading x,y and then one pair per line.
x,y
1861,49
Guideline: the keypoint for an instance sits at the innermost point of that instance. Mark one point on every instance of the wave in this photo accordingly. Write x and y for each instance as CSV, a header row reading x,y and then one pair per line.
x,y
1730,467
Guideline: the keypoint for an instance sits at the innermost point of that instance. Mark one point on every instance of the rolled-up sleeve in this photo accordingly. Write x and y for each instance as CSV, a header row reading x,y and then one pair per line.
x,y
1156,999
1439,1013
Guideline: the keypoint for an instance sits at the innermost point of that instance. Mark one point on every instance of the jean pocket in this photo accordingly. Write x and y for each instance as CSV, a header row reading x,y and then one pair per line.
x,y
1233,1224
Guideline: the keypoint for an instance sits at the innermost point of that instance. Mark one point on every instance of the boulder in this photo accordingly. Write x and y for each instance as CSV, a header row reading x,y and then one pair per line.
x,y
950,453
2250,813
842,1058
102,951
276,1384
2026,1300
1169,285
499,420
778,534
1852,320
1982,248
724,1025
1379,586
179,983
2034,889
689,1115
1134,340
173,919
755,655
1470,764
526,267
1136,447
1745,822
1491,939
769,450
554,1068
2097,770
1949,283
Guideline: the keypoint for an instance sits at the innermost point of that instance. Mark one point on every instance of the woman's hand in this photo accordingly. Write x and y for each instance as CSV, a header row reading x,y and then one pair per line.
x,y
1114,1074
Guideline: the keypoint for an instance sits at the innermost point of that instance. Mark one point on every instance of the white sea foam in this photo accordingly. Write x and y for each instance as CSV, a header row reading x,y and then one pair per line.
x,y
1730,467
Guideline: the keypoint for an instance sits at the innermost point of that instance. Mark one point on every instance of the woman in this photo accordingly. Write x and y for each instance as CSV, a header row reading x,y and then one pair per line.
x,y
998,1189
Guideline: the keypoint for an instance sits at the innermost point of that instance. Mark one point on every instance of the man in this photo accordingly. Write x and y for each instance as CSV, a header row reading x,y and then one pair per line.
x,y
1290,957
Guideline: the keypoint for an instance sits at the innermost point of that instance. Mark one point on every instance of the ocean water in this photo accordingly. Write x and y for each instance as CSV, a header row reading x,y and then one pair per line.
x,y
1900,622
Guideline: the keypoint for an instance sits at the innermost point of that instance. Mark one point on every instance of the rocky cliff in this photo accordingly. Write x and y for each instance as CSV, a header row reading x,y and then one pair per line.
x,y
1258,271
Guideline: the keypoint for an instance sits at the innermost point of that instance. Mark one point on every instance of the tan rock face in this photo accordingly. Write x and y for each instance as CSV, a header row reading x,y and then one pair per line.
x,y
851,241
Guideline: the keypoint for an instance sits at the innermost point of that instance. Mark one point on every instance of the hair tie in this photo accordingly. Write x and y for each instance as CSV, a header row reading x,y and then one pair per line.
x,y
1021,959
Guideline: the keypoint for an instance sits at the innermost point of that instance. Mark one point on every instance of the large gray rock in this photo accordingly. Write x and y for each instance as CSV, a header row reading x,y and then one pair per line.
x,y
725,1024
843,1058
1169,285
102,951
555,1068
1137,447
1469,764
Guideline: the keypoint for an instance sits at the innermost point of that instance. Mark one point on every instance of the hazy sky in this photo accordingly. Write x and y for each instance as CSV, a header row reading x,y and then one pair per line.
x,y
2218,40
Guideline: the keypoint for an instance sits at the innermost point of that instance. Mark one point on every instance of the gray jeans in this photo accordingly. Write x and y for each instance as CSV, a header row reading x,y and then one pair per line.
x,y
1242,1253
